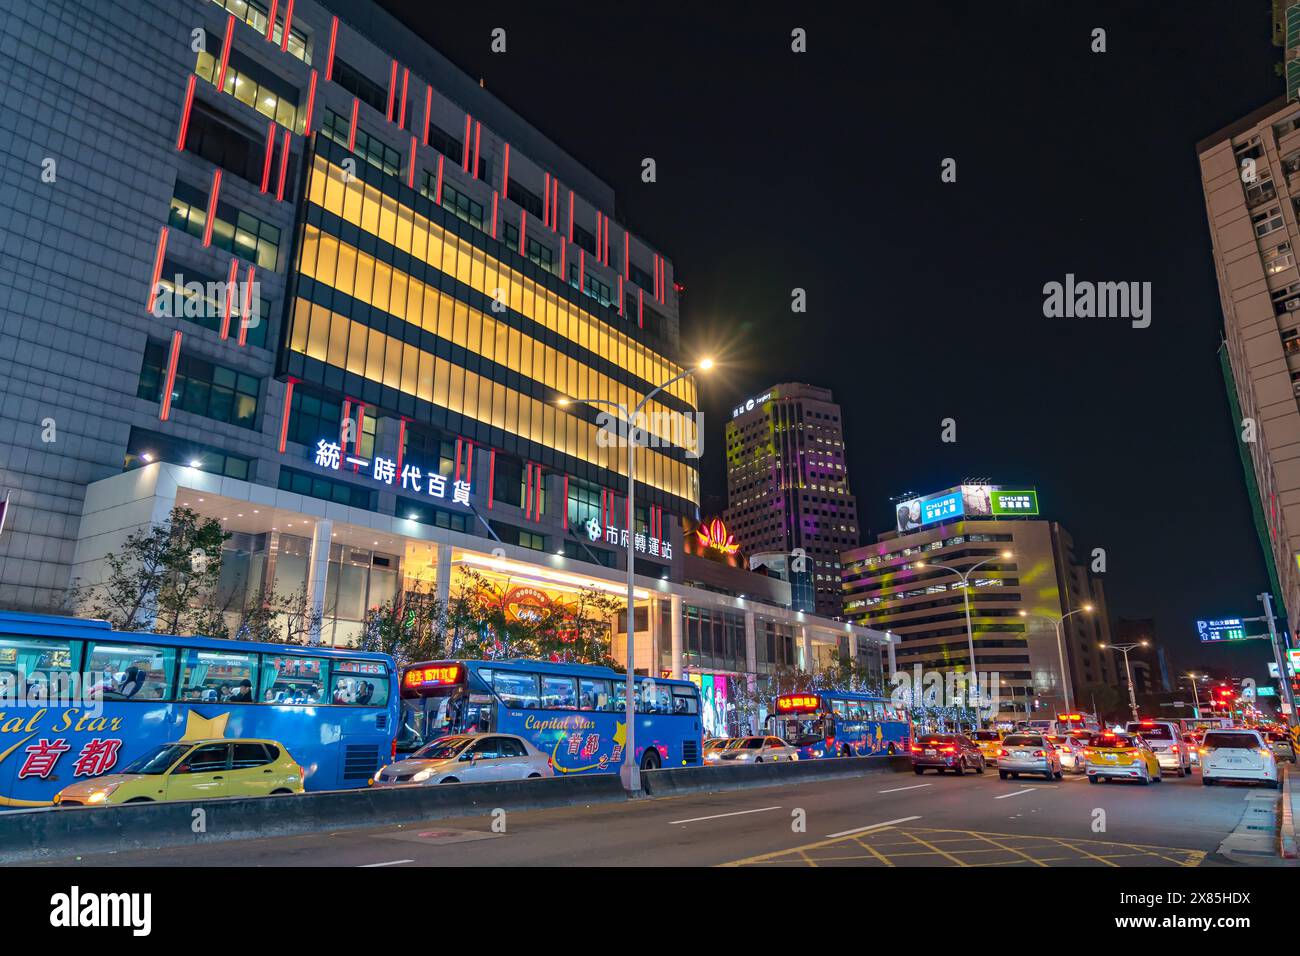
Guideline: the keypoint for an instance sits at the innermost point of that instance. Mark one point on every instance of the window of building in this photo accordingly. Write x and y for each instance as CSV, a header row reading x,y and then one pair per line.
x,y
455,201
446,144
316,486
255,15
145,447
525,199
508,481
1278,259
233,229
313,416
201,387
374,151
367,91
226,143
584,503
430,450
189,294
1267,220
250,83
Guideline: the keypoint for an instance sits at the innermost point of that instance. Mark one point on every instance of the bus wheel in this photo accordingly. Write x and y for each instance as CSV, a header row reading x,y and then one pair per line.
x,y
650,759
892,751
845,751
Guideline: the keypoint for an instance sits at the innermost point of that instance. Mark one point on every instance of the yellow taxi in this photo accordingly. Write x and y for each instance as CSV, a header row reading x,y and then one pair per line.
x,y
989,742
1111,756
193,770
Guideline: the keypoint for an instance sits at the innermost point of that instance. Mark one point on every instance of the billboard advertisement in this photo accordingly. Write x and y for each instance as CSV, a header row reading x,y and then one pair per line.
x,y
966,501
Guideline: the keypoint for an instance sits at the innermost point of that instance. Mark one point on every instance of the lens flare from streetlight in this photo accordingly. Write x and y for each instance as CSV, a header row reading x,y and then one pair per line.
x,y
705,364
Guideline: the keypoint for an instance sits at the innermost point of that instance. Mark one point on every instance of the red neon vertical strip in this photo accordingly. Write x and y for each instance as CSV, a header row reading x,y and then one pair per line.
x,y
401,113
505,173
158,257
565,510
311,104
528,491
232,290
523,230
248,307
284,166
494,213
288,20
352,132
492,475
620,295
464,153
334,38
361,423
284,416
627,257
607,240
663,280
555,205
541,491
570,215
437,198
458,444
469,464
546,202
165,409
225,53
392,90
270,22
185,111
401,442
428,106
270,151
600,235
655,289
212,206
478,140
640,308
410,169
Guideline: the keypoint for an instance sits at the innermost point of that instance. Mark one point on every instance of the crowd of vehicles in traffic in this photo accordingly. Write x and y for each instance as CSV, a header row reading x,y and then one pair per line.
x,y
170,718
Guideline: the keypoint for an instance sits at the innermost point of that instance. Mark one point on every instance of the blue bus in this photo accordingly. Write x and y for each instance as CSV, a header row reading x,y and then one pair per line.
x,y
78,699
837,723
573,713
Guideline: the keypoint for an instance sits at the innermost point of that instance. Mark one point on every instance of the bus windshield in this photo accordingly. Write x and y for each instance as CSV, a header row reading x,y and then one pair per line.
x,y
801,731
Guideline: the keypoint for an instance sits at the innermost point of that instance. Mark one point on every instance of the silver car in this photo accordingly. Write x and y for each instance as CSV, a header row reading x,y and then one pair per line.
x,y
1071,751
468,758
758,750
714,747
1028,753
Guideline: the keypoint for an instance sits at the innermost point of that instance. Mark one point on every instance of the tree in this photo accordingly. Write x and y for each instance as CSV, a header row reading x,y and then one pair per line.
x,y
579,632
278,618
162,579
409,627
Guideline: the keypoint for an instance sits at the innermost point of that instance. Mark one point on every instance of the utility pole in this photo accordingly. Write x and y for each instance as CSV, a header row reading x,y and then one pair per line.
x,y
1280,658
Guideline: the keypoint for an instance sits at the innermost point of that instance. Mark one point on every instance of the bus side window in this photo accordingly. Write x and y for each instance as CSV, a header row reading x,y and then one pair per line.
x,y
39,660
595,694
218,677
685,702
558,693
130,671
515,689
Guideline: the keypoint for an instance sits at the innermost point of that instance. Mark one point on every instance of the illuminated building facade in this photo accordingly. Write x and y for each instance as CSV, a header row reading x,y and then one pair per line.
x,y
310,279
899,585
788,483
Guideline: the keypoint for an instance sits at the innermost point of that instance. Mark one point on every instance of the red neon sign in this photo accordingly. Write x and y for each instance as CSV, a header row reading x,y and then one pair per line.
x,y
797,703
441,675
715,535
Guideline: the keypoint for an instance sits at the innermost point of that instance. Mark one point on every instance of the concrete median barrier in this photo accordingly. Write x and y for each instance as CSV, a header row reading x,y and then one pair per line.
x,y
44,833
732,776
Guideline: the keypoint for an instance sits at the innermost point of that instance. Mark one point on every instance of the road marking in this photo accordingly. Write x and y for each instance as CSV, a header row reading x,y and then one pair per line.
x,y
917,786
1016,794
719,816
873,826
366,866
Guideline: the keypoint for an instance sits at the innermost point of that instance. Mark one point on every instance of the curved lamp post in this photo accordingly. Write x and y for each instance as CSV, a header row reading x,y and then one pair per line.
x,y
1060,645
631,770
1124,649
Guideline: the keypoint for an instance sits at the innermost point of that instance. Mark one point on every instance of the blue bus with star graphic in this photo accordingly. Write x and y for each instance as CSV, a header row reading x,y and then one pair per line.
x,y
573,713
79,700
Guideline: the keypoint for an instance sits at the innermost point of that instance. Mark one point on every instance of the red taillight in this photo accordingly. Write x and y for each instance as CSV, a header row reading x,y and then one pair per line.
x,y
393,750
1174,749
1040,753
916,749
1002,752
948,750
1087,752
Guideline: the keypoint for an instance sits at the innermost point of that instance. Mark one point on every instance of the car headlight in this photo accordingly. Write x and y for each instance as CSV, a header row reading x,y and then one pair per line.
x,y
422,776
102,794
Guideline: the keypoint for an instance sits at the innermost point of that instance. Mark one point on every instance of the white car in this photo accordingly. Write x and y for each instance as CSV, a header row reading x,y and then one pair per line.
x,y
1237,754
714,747
1166,741
1071,751
468,758
758,750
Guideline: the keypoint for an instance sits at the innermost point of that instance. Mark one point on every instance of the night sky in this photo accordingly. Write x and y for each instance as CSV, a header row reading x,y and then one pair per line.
x,y
821,171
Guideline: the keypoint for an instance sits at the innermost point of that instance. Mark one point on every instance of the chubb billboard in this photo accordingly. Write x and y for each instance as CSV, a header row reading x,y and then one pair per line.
x,y
967,501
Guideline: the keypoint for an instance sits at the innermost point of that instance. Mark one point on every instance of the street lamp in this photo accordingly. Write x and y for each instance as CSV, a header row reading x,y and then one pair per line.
x,y
631,770
965,593
1060,646
1196,697
1124,649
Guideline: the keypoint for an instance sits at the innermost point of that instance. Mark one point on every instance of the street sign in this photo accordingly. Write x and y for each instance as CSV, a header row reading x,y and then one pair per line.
x,y
1224,629
1265,691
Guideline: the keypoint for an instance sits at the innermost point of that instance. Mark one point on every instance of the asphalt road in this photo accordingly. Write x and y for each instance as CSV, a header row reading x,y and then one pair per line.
x,y
875,820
